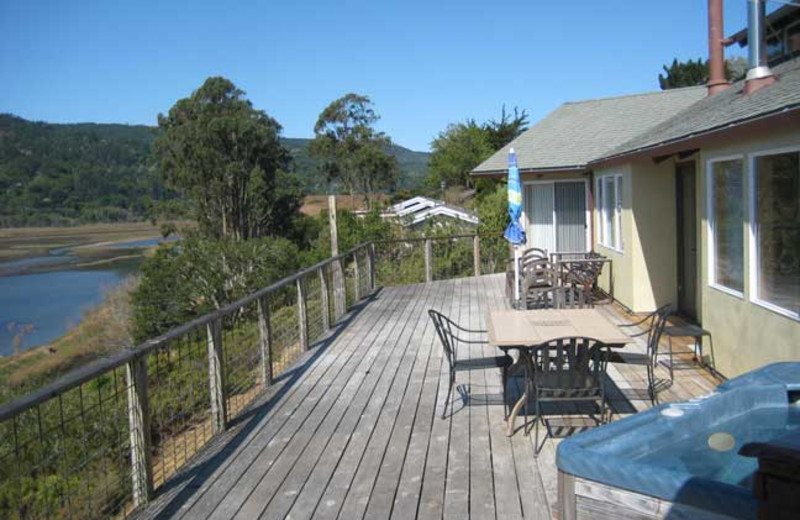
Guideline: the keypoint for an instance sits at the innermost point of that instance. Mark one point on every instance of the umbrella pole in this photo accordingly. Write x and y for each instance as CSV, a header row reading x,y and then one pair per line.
x,y
516,276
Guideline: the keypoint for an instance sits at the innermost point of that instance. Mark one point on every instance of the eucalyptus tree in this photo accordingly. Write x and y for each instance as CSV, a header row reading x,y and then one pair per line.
x,y
224,154
352,151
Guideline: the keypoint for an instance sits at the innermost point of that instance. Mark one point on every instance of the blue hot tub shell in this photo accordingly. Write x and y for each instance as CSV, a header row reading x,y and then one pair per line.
x,y
617,454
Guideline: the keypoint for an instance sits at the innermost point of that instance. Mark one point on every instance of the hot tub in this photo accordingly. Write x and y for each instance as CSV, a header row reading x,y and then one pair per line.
x,y
681,460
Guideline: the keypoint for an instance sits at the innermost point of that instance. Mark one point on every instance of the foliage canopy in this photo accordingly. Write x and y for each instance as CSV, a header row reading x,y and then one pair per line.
x,y
224,154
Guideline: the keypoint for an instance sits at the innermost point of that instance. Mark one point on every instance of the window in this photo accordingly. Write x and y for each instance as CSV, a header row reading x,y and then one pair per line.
x,y
726,218
776,230
609,207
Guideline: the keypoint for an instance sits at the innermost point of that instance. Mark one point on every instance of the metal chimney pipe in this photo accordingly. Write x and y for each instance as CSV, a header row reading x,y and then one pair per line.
x,y
758,73
716,50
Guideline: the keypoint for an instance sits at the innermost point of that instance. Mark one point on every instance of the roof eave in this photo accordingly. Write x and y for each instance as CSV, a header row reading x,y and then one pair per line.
x,y
553,169
660,148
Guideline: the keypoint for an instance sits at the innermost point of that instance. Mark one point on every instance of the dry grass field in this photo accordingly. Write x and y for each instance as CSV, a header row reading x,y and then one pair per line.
x,y
35,241
314,204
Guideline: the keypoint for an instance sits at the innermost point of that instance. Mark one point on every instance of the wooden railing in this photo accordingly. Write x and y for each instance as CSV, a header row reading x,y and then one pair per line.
x,y
100,441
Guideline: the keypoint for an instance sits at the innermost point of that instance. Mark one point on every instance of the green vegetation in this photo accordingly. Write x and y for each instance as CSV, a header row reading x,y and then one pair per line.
x,y
691,73
351,150
66,174
463,146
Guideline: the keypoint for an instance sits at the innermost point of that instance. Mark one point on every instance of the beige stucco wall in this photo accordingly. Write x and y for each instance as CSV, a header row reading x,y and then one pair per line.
x,y
622,270
645,270
746,335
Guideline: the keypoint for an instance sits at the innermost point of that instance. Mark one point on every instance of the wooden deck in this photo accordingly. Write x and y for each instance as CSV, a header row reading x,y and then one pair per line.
x,y
354,430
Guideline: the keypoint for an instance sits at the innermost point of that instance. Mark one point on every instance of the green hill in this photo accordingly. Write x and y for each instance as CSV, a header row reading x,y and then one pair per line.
x,y
54,174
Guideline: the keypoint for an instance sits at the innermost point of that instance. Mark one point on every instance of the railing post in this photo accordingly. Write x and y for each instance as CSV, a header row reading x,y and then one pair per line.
x,y
339,297
265,340
302,318
476,254
428,260
356,278
371,266
216,376
326,306
139,425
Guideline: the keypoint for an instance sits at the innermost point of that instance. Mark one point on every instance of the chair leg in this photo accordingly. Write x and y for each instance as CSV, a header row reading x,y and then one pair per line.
x,y
671,374
449,393
711,348
536,449
506,408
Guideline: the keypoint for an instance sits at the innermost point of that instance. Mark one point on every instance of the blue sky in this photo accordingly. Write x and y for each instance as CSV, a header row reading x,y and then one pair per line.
x,y
424,64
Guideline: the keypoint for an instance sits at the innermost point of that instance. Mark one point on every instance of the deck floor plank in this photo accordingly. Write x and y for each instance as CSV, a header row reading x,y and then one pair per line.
x,y
357,434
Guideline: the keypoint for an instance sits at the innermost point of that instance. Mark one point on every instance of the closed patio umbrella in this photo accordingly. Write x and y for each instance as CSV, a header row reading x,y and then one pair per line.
x,y
514,232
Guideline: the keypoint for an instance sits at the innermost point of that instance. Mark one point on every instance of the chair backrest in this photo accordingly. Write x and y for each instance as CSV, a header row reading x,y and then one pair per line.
x,y
444,329
658,320
572,297
575,363
560,297
538,272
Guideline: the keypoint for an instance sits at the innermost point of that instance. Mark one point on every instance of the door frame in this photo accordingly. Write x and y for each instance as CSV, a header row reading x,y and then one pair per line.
x,y
680,241
525,223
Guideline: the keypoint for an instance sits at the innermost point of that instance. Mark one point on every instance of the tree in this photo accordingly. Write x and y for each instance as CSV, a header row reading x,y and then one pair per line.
x,y
203,274
352,151
507,128
223,153
456,151
695,73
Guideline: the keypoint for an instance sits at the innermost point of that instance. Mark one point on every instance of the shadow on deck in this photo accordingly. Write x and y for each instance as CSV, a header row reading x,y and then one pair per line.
x,y
353,431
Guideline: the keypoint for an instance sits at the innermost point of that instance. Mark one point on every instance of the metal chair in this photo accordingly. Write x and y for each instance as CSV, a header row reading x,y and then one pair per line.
x,y
448,332
563,297
528,257
655,323
569,369
690,330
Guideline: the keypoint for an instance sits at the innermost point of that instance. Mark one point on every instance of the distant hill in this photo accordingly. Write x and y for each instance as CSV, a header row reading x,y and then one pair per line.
x,y
413,166
87,172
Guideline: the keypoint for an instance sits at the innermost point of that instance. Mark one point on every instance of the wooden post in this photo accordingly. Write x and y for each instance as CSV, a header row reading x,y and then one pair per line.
x,y
216,377
337,275
302,318
332,224
371,264
428,260
265,340
476,254
356,278
566,497
326,306
139,425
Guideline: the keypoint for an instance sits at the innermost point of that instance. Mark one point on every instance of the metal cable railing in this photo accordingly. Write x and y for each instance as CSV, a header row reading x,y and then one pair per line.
x,y
100,441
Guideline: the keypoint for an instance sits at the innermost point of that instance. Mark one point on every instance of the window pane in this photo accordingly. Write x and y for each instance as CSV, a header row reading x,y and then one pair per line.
x,y
618,219
778,229
609,205
727,202
599,203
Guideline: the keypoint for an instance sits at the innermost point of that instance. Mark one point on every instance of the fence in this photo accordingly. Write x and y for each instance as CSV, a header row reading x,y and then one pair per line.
x,y
99,442
415,260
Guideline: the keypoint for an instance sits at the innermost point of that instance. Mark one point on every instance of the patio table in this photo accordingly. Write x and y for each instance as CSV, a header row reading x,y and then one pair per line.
x,y
525,331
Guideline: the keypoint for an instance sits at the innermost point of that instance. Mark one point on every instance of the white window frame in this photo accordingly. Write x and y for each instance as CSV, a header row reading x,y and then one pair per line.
x,y
524,220
752,238
600,195
712,256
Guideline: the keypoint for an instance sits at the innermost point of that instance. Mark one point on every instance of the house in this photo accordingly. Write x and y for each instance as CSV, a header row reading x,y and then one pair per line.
x,y
696,202
418,210
782,34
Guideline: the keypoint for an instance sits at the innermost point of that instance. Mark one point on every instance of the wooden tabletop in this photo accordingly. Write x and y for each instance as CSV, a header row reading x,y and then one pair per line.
x,y
509,328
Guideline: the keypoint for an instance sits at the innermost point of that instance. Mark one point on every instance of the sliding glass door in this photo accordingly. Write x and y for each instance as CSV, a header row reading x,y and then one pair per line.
x,y
555,214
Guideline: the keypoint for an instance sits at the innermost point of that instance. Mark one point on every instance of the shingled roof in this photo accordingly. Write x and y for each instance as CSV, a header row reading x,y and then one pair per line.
x,y
577,133
725,109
